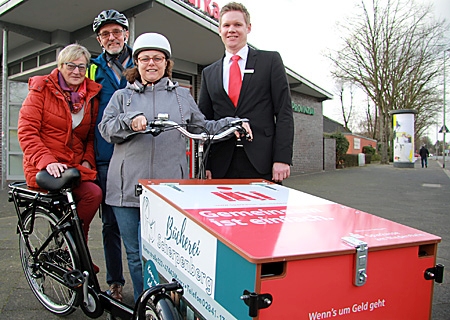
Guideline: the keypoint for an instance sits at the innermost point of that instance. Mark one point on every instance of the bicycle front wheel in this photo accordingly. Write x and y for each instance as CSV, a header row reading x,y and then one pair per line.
x,y
50,291
162,308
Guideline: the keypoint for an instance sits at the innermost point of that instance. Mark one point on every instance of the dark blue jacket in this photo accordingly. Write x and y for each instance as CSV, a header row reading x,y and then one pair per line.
x,y
101,73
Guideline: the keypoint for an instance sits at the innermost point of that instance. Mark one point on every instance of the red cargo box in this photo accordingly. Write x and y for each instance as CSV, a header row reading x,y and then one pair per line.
x,y
294,255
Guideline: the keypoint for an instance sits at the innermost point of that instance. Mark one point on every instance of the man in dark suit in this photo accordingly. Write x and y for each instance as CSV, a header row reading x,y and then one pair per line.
x,y
264,99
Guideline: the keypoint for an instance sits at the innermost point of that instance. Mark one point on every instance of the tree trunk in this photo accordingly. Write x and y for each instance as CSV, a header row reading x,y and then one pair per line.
x,y
385,128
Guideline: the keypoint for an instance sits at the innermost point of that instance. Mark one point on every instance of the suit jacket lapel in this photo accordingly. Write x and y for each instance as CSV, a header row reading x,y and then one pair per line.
x,y
218,81
250,65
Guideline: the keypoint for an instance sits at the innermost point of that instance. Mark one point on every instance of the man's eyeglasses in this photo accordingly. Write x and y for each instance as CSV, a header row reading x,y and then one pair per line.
x,y
72,66
156,59
116,33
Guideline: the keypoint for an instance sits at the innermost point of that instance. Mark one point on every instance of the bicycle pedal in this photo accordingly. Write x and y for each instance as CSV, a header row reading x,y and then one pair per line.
x,y
73,279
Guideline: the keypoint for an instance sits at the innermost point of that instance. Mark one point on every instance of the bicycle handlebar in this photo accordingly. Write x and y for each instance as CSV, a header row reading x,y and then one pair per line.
x,y
162,123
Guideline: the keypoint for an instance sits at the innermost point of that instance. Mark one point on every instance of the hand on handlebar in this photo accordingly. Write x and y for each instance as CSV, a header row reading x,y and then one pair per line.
x,y
139,123
247,134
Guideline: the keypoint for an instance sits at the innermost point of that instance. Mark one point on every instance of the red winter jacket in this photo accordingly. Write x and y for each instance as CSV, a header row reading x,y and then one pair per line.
x,y
45,128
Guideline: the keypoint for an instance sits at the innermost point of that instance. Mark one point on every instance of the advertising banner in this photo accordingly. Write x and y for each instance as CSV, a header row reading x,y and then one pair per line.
x,y
403,125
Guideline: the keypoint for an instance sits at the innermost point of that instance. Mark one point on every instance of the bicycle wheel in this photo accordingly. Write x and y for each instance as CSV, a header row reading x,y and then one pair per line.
x,y
162,308
51,293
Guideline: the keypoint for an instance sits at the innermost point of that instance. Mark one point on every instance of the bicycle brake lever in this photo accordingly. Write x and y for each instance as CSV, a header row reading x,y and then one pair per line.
x,y
153,131
244,133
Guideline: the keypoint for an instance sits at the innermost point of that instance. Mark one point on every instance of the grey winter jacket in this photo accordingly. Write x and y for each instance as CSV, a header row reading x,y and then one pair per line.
x,y
144,156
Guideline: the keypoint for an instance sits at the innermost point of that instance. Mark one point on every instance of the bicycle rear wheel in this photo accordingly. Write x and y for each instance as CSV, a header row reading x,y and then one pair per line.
x,y
51,293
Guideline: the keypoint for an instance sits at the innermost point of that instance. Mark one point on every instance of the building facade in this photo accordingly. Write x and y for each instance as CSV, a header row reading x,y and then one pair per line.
x,y
33,35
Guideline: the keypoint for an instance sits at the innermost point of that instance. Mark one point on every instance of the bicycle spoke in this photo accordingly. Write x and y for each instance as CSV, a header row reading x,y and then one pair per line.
x,y
52,294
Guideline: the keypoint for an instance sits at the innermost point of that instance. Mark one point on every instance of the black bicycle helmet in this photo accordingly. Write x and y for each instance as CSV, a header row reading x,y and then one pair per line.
x,y
109,16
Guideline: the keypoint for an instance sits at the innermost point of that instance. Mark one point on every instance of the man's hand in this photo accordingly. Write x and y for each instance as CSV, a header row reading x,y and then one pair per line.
x,y
247,128
280,171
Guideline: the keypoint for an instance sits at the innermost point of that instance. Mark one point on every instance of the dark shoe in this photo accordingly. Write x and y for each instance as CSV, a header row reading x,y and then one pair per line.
x,y
116,291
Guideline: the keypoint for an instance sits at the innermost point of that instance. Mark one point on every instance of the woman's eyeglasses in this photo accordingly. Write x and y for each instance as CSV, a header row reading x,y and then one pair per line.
x,y
156,59
116,33
72,66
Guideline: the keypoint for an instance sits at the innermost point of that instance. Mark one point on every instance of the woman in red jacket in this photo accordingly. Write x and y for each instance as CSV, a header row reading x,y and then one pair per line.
x,y
56,127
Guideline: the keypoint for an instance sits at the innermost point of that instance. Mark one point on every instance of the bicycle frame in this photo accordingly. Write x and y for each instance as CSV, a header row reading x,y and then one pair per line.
x,y
61,203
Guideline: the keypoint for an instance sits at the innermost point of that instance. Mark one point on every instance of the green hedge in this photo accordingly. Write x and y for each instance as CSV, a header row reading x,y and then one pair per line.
x,y
351,160
369,150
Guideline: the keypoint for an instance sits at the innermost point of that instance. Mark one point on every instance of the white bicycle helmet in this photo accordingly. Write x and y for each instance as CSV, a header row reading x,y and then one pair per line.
x,y
109,16
151,41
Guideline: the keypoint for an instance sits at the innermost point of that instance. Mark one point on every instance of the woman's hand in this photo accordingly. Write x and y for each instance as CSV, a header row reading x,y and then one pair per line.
x,y
86,164
139,123
55,169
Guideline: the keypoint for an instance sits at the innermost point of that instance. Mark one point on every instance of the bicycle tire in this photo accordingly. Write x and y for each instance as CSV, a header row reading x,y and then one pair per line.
x,y
51,293
165,308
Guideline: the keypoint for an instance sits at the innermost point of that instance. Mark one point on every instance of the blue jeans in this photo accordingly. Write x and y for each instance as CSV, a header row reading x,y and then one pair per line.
x,y
112,243
130,229
425,162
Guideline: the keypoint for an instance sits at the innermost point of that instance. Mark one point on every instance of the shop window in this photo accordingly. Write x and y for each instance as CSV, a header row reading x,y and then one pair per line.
x,y
30,64
17,92
183,80
13,145
14,69
15,168
47,58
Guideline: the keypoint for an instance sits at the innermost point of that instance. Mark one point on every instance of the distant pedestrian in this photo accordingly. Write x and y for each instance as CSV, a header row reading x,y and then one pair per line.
x,y
424,154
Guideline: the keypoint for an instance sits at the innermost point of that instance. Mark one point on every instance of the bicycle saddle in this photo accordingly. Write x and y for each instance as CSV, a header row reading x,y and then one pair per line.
x,y
69,179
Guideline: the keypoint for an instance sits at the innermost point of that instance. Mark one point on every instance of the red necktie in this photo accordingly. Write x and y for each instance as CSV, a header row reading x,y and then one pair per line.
x,y
235,80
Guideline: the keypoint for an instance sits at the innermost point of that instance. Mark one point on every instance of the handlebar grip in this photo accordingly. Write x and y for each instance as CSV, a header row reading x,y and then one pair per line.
x,y
172,286
239,121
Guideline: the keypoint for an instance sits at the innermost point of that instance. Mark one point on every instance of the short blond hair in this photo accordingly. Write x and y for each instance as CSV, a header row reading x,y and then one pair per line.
x,y
235,6
73,52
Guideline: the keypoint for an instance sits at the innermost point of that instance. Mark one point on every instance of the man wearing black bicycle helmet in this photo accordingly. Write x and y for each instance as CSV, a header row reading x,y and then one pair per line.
x,y
111,28
109,16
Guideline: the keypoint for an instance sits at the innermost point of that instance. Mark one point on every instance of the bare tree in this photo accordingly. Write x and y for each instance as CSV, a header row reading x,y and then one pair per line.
x,y
367,126
393,50
346,109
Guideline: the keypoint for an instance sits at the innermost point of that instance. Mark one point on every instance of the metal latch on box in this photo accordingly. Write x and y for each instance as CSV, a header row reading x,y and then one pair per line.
x,y
362,250
256,301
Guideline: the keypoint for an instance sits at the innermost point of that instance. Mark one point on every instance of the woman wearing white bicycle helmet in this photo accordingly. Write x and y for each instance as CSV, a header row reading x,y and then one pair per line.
x,y
149,92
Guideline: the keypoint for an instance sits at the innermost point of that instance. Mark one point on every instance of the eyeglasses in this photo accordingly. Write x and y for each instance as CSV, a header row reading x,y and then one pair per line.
x,y
156,59
72,66
116,33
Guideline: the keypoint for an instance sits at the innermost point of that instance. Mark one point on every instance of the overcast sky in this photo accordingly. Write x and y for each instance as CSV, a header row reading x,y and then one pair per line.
x,y
302,31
